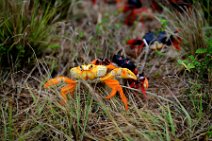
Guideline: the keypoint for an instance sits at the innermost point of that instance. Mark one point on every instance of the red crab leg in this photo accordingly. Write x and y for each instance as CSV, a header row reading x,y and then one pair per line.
x,y
144,86
146,83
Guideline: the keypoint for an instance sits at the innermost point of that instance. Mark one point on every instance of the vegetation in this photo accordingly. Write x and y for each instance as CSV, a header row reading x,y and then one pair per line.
x,y
39,40
27,29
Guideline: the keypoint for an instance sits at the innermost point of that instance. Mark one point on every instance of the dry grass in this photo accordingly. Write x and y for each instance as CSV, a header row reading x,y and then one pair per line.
x,y
191,28
174,110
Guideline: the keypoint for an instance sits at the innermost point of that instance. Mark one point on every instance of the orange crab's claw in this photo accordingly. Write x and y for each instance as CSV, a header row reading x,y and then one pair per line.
x,y
115,85
120,73
71,84
126,73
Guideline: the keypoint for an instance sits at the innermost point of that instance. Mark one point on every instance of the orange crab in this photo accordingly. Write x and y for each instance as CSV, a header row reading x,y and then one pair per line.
x,y
104,73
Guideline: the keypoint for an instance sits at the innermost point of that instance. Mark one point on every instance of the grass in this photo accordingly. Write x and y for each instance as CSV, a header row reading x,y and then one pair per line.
x,y
87,118
27,27
178,106
23,31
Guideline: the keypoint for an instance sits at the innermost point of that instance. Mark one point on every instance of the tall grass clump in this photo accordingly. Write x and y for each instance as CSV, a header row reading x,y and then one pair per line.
x,y
190,24
24,32
195,31
207,9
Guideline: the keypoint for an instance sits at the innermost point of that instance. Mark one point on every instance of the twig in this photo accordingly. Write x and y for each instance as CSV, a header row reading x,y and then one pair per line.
x,y
149,93
141,68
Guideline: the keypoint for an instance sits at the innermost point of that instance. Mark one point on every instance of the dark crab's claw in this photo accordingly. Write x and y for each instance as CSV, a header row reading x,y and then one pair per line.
x,y
142,84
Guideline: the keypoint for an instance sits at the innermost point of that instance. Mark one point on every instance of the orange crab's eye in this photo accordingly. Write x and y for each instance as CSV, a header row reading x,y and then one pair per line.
x,y
91,66
81,68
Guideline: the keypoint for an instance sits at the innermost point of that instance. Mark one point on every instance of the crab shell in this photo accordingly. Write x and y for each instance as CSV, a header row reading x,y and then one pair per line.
x,y
90,72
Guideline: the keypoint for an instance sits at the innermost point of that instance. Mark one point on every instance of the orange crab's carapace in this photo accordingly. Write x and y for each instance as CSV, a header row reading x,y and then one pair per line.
x,y
105,73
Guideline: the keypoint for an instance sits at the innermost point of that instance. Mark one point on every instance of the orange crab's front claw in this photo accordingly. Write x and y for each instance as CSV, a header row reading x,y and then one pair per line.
x,y
123,73
70,87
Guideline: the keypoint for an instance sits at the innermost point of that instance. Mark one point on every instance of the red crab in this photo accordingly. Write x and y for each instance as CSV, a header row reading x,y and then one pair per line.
x,y
156,41
136,46
133,10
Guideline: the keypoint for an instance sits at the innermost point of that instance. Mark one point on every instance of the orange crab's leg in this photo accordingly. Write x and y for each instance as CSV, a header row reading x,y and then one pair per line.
x,y
116,87
66,89
94,61
110,81
109,66
57,80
